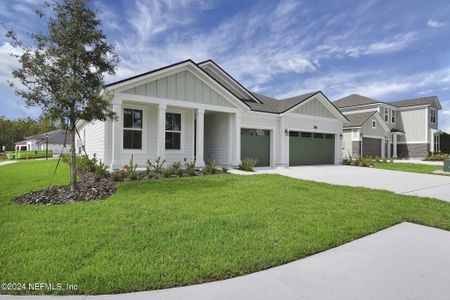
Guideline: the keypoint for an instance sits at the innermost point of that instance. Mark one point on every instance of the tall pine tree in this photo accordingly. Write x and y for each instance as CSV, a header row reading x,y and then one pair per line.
x,y
63,71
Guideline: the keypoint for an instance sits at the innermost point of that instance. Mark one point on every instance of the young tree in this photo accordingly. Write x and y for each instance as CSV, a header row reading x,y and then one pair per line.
x,y
62,73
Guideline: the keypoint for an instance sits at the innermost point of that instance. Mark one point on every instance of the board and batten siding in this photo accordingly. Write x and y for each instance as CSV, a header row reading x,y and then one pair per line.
x,y
182,86
217,138
414,124
93,134
368,130
314,108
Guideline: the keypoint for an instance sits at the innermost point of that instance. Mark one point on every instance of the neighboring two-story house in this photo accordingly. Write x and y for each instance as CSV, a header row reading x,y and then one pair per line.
x,y
406,128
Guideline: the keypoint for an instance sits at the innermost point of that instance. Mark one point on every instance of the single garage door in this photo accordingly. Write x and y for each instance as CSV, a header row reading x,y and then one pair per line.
x,y
255,143
307,148
371,147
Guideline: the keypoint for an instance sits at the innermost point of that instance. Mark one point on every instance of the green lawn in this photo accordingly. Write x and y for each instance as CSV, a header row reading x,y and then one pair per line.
x,y
165,233
408,167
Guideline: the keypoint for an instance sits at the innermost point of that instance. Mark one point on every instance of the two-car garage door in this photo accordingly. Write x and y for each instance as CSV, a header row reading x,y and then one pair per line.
x,y
307,148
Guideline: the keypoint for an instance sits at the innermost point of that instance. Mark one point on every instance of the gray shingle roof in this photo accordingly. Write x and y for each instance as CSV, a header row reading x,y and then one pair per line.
x,y
353,100
54,137
358,120
416,101
272,105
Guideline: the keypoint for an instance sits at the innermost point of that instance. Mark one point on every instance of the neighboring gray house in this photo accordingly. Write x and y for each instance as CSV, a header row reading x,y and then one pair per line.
x,y
406,128
38,142
196,111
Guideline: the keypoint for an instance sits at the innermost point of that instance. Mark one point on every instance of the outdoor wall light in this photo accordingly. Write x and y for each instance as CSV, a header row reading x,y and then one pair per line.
x,y
286,132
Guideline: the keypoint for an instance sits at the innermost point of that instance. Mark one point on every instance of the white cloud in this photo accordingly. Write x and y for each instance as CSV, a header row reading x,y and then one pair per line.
x,y
435,24
7,61
371,84
387,45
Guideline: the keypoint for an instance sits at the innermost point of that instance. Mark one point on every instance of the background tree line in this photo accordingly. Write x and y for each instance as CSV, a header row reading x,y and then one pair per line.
x,y
15,130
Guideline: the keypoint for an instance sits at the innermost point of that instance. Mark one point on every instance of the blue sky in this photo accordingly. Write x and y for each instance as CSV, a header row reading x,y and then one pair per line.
x,y
388,50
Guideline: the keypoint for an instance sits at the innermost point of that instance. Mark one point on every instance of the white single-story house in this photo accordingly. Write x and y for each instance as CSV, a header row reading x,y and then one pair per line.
x,y
54,140
196,111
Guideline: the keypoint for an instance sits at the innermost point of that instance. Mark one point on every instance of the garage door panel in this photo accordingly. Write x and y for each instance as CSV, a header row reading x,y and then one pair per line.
x,y
311,149
371,147
255,143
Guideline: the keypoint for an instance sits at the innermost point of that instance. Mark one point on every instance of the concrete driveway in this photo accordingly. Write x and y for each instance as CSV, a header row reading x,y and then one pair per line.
x,y
406,261
425,185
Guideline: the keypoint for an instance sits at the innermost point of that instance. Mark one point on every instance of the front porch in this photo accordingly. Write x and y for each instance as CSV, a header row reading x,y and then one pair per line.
x,y
149,128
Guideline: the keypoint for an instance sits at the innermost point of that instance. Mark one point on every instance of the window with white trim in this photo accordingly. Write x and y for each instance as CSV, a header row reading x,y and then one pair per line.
x,y
393,116
374,123
386,114
173,131
132,128
433,116
437,143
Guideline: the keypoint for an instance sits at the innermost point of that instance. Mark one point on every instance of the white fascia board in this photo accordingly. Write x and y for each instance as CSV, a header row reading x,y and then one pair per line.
x,y
222,74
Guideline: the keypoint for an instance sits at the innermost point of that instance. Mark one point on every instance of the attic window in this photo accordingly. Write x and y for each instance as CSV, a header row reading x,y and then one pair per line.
x,y
433,116
374,123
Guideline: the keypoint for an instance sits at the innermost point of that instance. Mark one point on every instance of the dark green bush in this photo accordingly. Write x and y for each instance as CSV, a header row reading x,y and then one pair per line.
x,y
210,167
437,156
248,164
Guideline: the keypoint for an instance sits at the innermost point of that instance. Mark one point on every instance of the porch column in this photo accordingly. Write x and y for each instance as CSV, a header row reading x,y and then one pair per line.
x,y
394,146
161,135
388,145
237,139
199,141
116,136
383,148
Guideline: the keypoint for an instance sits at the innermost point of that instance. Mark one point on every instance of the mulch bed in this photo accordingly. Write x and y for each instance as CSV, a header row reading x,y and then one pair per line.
x,y
88,189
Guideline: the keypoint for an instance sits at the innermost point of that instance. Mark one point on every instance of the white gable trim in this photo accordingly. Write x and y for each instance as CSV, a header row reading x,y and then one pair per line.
x,y
221,73
322,99
185,66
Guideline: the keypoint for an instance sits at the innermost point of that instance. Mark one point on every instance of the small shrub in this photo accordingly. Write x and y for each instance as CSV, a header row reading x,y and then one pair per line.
x,y
119,176
155,170
176,169
210,167
384,159
167,172
437,157
348,160
248,164
190,168
66,158
132,174
101,171
225,170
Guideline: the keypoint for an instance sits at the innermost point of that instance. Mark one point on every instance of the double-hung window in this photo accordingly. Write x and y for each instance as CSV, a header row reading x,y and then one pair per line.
x,y
173,131
433,116
386,114
393,116
132,128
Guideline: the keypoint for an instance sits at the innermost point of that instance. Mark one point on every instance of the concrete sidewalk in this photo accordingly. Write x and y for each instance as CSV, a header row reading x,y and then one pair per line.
x,y
407,183
406,261
7,162
419,162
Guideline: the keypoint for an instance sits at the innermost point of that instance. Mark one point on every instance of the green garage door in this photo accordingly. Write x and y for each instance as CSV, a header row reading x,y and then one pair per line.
x,y
371,147
306,148
255,143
